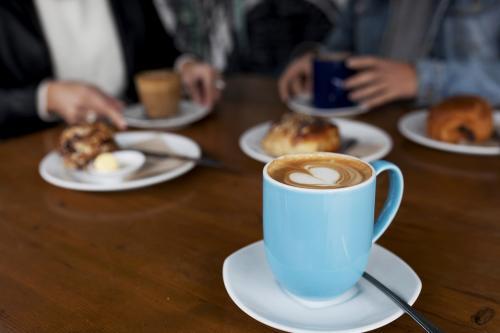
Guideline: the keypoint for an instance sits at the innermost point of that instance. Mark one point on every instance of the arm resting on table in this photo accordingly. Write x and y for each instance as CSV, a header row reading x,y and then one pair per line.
x,y
438,79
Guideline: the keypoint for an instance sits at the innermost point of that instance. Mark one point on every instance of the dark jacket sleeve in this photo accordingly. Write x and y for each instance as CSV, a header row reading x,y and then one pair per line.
x,y
18,114
159,48
16,100
24,62
145,42
17,103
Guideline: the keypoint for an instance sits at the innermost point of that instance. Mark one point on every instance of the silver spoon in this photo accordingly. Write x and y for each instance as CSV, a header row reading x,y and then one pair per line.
x,y
347,144
202,161
426,325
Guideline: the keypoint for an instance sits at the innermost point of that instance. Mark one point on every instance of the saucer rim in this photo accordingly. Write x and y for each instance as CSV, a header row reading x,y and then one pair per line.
x,y
173,122
295,105
366,328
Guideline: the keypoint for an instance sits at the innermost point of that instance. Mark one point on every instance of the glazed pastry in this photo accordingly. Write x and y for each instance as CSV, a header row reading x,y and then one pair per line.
x,y
461,118
296,133
80,144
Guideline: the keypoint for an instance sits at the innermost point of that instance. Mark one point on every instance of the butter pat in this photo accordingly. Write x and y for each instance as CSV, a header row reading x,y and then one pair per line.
x,y
106,162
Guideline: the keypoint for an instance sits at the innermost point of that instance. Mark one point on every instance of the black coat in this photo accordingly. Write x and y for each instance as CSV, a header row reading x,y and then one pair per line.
x,y
25,59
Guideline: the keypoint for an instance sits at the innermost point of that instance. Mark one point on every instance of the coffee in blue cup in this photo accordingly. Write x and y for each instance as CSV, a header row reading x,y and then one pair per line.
x,y
319,223
329,73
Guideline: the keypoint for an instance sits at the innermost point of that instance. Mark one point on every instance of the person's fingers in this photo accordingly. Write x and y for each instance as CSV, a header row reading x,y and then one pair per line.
x,y
119,105
201,83
367,91
189,81
305,78
308,84
114,102
292,81
209,89
283,86
362,62
71,116
303,85
115,110
206,91
97,102
219,85
194,90
361,79
217,94
296,86
379,100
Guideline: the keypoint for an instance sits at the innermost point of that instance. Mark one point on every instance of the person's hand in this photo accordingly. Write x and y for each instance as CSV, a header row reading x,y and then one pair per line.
x,y
77,102
297,78
200,80
380,81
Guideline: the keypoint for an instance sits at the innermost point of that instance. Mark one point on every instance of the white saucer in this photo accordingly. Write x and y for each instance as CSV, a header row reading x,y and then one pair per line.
x,y
189,112
251,285
303,104
373,142
413,127
52,168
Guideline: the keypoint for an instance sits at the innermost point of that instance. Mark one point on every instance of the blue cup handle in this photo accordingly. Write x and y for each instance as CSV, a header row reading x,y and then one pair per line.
x,y
391,205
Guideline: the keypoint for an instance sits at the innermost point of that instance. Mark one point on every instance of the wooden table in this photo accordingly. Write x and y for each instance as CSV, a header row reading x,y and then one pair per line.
x,y
150,260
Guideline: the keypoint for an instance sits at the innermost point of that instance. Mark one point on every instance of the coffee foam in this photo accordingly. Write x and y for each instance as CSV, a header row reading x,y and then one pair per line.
x,y
319,171
317,175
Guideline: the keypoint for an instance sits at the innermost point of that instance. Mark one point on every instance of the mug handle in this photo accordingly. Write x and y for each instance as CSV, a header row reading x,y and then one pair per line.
x,y
391,205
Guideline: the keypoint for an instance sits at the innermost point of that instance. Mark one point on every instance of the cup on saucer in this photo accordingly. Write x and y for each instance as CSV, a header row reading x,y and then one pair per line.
x,y
318,212
329,73
160,92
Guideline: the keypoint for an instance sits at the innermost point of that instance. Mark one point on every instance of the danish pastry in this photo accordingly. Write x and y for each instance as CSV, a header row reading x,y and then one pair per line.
x,y
80,144
461,118
295,133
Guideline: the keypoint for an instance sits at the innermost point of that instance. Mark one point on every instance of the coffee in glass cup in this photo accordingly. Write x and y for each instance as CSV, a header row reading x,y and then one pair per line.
x,y
159,92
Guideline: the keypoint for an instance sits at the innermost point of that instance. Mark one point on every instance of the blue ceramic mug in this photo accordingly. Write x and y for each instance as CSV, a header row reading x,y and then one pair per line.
x,y
317,241
329,74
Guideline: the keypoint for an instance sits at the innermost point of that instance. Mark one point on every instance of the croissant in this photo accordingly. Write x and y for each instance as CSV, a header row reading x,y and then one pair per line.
x,y
461,118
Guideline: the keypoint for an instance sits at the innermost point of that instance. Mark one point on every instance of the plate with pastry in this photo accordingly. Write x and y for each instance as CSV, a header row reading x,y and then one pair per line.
x,y
186,113
93,157
459,124
297,133
303,104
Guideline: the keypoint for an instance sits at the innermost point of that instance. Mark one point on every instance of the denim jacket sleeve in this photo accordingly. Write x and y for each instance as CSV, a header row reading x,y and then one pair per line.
x,y
438,79
341,38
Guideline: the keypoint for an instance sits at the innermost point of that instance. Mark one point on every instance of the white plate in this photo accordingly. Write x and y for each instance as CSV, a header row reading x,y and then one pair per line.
x,y
373,143
303,104
189,112
251,285
53,171
413,127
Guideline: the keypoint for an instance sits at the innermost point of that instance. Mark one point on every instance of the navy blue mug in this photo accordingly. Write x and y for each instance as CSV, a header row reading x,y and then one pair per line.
x,y
329,74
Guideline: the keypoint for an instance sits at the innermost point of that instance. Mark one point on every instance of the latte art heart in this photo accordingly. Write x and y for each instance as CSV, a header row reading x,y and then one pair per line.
x,y
321,176
319,171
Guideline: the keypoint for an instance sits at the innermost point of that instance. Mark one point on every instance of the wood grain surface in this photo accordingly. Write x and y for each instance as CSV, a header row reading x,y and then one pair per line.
x,y
150,260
